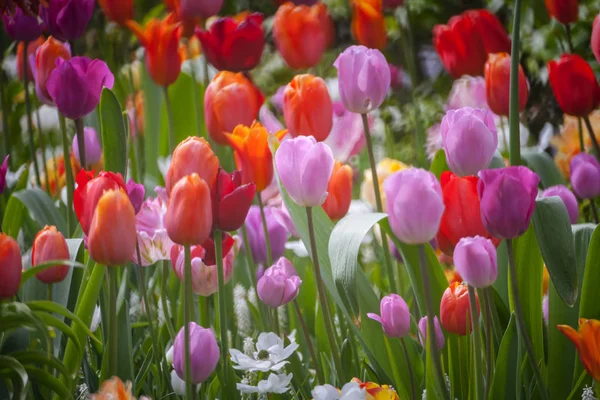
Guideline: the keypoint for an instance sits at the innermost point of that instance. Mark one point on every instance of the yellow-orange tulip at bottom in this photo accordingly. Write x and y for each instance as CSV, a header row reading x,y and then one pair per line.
x,y
587,342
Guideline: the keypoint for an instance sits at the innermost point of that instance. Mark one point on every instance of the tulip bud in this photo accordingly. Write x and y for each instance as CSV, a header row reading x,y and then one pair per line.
x,y
470,139
50,245
204,353
3,171
564,11
45,63
595,43
113,234
394,316
454,309
569,72
231,201
497,84
368,23
279,284
585,176
136,192
439,335
119,11
31,50
347,136
66,19
304,167
21,27
200,8
364,78
339,191
93,150
468,91
475,260
192,156
278,235
189,213
415,205
507,198
567,197
11,267
307,107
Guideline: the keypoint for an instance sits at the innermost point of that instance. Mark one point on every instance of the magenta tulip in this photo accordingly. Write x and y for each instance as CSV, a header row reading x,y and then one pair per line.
x,y
394,316
475,260
204,353
67,19
585,176
279,284
567,197
439,335
93,149
21,27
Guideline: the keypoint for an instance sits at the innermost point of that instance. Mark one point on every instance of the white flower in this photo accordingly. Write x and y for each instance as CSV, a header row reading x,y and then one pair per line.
x,y
274,384
270,354
95,319
178,384
353,391
169,356
350,391
588,394
325,392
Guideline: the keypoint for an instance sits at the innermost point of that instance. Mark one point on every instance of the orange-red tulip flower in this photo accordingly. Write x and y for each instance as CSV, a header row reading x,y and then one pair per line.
x,y
45,63
572,72
50,245
31,49
587,342
368,24
119,11
11,266
564,11
455,313
340,191
193,155
497,84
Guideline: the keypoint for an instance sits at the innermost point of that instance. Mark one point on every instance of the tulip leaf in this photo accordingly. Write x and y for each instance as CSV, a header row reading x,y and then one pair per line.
x,y
42,377
40,207
13,368
504,381
153,99
542,164
555,238
439,164
590,306
114,134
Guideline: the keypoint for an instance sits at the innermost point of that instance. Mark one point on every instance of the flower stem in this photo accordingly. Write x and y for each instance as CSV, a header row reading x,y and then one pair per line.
x,y
163,299
136,142
590,129
112,320
170,119
222,307
522,328
323,299
81,142
431,334
515,143
29,120
487,317
43,148
569,39
187,317
266,230
68,172
197,106
275,321
50,292
594,211
5,124
249,258
384,242
581,141
479,389
311,349
413,390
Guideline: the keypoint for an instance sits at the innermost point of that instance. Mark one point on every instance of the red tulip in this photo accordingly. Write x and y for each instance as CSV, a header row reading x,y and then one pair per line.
x,y
574,85
11,266
455,313
497,84
50,245
234,46
564,11
339,188
231,201
193,155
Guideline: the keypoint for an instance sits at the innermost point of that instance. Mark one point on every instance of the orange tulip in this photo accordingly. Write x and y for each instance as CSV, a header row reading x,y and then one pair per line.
x,y
302,33
497,84
50,245
307,107
11,266
113,234
193,155
31,49
161,40
252,154
587,342
230,100
340,191
368,24
45,63
377,392
119,11
189,212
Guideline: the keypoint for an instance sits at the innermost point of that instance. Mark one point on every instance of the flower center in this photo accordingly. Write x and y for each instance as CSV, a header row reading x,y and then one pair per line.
x,y
263,355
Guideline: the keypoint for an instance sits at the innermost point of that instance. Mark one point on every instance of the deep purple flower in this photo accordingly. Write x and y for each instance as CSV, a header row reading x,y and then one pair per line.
x,y
21,27
3,171
567,197
279,284
67,19
93,149
136,192
585,176
256,235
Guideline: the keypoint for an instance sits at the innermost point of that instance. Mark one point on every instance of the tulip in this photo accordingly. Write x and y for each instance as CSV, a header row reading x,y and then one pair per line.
x,y
586,340
44,64
585,176
153,240
454,310
394,316
279,284
161,41
50,245
189,213
375,391
567,197
571,71
93,150
507,198
364,78
136,192
193,155
3,171
66,20
302,34
468,91
385,169
396,76
545,310
231,201
31,50
304,167
21,27
347,136
475,260
339,188
470,139
252,154
119,11
112,236
307,107
278,235
234,46
564,11
11,267
415,205
497,84
368,23
201,8
230,100
439,335
204,353
595,43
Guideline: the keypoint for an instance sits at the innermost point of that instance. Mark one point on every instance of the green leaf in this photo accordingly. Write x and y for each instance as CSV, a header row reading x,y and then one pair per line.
x,y
44,378
51,321
153,100
553,233
114,135
50,306
504,382
36,357
33,271
542,164
124,346
40,207
439,164
13,217
590,306
8,365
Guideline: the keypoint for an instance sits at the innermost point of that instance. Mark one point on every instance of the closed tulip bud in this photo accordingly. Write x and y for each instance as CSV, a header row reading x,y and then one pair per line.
x,y
50,245
113,234
475,260
136,192
307,107
201,8
586,341
394,316
31,50
455,313
93,150
304,167
230,100
66,20
119,11
204,353
564,11
45,62
278,235
3,171
368,23
507,198
497,84
22,27
192,156
363,78
189,213
414,204
569,72
470,139
302,33
439,335
595,43
279,284
339,188
585,176
567,197
231,201
11,267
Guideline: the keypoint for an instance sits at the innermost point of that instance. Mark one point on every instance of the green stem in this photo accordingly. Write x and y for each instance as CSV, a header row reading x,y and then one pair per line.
x,y
323,299
487,318
266,230
222,305
187,313
590,129
137,148
49,292
43,149
68,172
479,389
522,328
163,299
112,320
170,119
569,39
275,321
197,106
594,211
29,120
413,390
249,258
311,349
515,142
5,124
384,242
581,141
81,142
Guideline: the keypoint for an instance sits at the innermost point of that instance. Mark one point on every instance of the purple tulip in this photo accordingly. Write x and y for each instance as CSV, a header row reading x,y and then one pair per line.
x,y
93,149
394,316
3,171
279,284
204,353
507,198
256,235
136,192
439,335
277,99
585,176
67,19
396,76
475,260
200,8
414,204
545,308
21,27
364,78
75,85
304,167
567,197
470,139
347,136
467,91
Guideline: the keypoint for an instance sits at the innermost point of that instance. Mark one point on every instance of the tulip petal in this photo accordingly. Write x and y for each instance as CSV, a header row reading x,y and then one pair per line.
x,y
316,169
